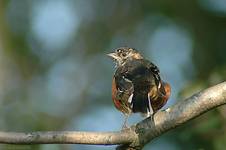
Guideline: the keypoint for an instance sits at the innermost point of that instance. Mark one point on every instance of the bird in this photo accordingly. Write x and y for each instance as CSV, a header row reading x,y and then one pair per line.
x,y
136,85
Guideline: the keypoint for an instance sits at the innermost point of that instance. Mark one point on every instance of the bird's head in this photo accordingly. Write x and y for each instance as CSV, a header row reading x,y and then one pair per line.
x,y
122,54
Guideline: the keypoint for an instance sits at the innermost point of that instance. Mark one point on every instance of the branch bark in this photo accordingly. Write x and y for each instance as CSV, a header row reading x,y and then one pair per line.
x,y
139,134
67,137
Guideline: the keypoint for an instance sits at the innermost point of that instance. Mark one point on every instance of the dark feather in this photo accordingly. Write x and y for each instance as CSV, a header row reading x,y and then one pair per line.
x,y
143,76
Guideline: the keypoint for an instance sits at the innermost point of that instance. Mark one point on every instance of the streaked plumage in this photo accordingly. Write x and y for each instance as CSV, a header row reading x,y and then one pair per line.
x,y
137,85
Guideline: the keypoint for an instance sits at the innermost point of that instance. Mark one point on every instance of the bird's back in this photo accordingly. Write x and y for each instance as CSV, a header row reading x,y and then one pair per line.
x,y
144,77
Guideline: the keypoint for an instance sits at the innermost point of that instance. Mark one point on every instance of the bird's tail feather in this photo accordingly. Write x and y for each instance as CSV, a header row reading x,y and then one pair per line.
x,y
142,103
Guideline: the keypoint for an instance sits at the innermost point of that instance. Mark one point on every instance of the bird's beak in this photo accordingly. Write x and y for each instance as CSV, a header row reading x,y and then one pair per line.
x,y
113,56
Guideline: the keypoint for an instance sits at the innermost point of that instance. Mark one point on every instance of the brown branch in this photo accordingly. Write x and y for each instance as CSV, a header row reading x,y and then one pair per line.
x,y
67,137
136,136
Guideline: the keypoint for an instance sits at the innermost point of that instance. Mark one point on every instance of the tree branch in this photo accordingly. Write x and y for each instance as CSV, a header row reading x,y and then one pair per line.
x,y
67,137
136,136
181,112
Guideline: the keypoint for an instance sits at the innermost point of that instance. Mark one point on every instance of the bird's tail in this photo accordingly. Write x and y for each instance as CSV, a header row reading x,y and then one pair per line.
x,y
141,103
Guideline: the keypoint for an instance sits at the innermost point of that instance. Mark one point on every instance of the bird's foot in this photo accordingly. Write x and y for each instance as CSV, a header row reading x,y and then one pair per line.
x,y
125,126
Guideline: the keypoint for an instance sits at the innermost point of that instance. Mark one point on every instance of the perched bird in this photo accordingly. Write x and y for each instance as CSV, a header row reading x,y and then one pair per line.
x,y
136,85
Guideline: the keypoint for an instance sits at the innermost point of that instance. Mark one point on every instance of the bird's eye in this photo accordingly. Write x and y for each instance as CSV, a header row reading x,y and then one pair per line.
x,y
118,50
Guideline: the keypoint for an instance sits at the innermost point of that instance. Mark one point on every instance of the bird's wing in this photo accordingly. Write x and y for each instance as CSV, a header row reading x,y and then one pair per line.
x,y
156,73
124,86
